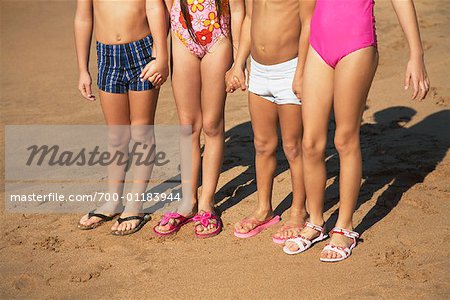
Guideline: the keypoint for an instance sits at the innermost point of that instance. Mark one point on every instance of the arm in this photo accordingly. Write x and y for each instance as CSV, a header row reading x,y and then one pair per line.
x,y
237,11
158,23
306,10
415,71
83,26
235,77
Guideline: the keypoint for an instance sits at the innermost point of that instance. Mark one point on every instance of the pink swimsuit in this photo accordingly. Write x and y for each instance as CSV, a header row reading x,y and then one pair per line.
x,y
340,27
207,28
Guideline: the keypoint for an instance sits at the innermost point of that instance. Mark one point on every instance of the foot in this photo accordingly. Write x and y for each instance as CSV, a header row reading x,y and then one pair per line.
x,y
339,241
167,225
109,209
204,228
289,230
292,227
306,233
126,225
251,222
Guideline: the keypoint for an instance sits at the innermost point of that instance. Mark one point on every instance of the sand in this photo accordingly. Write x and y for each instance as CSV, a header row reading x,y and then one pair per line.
x,y
402,212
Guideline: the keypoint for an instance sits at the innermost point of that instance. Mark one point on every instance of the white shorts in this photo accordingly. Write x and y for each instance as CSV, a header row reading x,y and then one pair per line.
x,y
273,82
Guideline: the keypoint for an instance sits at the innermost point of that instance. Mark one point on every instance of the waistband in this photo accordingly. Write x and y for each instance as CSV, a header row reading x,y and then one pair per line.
x,y
281,67
116,49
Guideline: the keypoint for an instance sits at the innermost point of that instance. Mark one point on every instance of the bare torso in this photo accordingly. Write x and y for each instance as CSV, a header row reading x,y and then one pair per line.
x,y
120,21
275,31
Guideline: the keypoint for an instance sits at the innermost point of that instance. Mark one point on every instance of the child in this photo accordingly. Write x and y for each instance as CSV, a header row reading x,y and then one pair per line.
x,y
338,73
124,49
276,35
203,35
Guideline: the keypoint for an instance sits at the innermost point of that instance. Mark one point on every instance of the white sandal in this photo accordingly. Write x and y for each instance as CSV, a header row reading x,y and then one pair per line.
x,y
304,243
345,252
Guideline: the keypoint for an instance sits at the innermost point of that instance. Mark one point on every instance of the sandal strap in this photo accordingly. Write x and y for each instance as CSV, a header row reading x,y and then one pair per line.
x,y
348,233
315,227
343,251
130,218
92,214
203,219
168,216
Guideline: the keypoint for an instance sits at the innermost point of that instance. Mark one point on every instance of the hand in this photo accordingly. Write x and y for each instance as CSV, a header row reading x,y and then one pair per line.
x,y
417,73
236,78
84,86
156,72
297,86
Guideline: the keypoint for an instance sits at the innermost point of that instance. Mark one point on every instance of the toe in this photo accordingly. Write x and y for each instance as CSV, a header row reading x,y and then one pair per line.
x,y
83,220
292,246
115,226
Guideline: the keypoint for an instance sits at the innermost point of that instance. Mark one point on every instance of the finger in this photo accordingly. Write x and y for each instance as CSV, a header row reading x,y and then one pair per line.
x,y
158,82
246,78
407,81
416,88
144,75
84,92
157,79
423,90
89,92
144,71
153,77
243,85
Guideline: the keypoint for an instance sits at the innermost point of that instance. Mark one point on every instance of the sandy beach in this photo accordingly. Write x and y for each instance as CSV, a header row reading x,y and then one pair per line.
x,y
402,211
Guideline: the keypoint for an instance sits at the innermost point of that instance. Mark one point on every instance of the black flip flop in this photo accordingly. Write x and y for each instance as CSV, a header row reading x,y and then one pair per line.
x,y
142,221
103,218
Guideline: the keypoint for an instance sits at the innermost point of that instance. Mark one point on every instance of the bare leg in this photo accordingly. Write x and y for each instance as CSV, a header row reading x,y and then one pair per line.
x,y
142,114
264,117
290,116
213,104
213,68
353,77
316,107
186,84
116,111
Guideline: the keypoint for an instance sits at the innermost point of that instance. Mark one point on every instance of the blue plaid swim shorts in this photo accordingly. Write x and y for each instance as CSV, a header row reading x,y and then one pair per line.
x,y
119,66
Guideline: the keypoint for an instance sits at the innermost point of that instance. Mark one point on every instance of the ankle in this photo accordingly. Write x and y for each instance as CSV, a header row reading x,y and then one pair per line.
x,y
264,210
298,213
207,206
348,225
316,220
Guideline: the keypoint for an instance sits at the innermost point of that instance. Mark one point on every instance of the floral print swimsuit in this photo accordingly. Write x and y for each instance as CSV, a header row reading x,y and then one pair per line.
x,y
205,24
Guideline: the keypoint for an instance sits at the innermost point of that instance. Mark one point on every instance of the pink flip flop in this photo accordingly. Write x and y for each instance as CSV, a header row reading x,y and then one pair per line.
x,y
182,220
260,226
203,218
281,241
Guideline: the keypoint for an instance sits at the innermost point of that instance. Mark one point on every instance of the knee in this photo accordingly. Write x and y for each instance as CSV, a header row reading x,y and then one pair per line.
x,y
346,142
212,128
313,148
265,147
190,127
119,137
142,134
292,151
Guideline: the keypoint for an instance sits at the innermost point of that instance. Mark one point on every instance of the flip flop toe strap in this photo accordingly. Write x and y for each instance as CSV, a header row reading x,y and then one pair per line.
x,y
103,217
204,219
170,216
131,218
